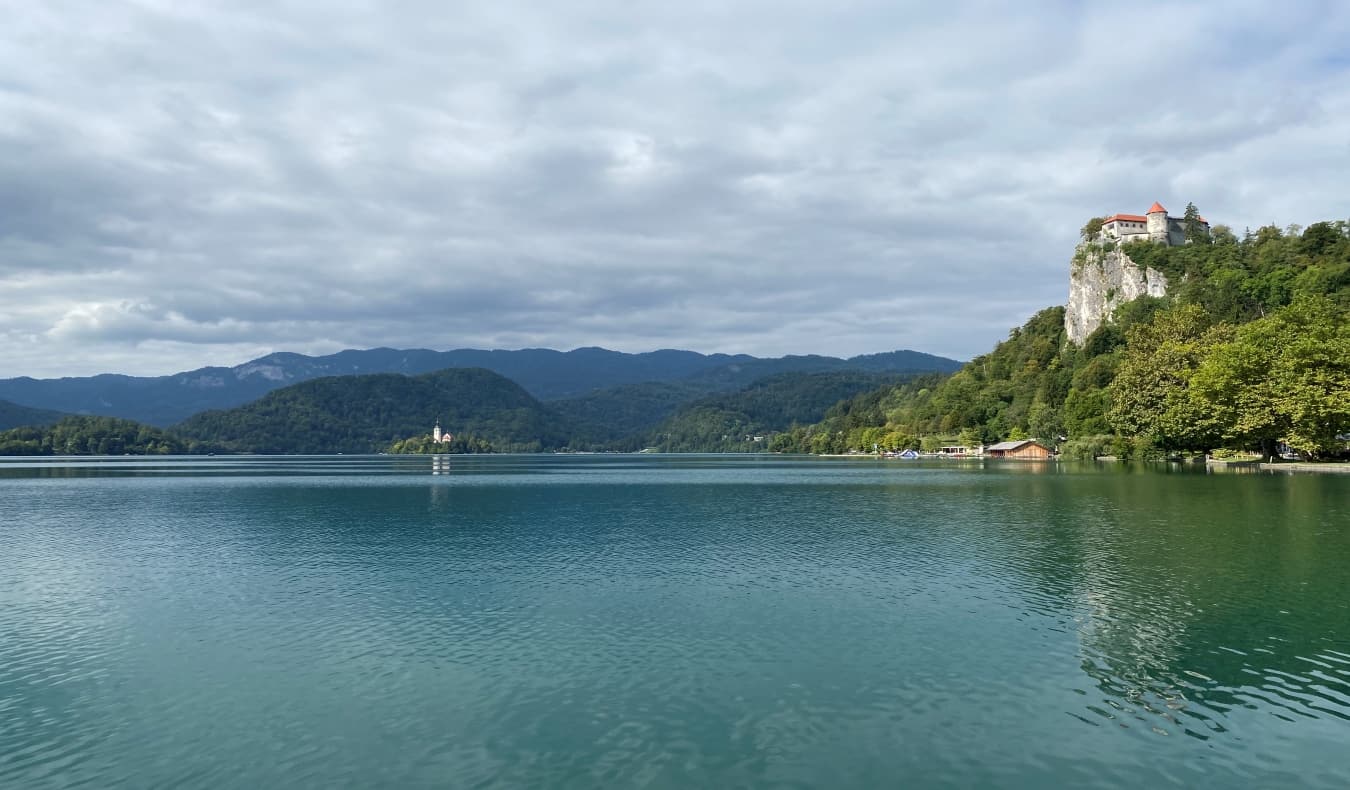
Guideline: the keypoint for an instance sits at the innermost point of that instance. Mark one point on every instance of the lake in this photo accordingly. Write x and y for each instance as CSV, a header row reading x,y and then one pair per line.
x,y
669,621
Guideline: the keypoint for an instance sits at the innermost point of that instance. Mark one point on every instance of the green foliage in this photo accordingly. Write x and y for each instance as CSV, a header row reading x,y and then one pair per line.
x,y
996,392
1145,378
1086,448
1194,229
719,407
1092,228
1150,394
1285,378
487,413
1224,454
427,445
362,414
614,418
851,424
970,437
92,436
731,422
931,444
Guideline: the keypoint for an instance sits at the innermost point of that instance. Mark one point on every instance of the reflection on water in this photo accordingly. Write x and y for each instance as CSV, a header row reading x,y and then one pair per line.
x,y
669,621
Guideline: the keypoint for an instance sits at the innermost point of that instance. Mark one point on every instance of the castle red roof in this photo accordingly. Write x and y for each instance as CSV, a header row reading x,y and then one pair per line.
x,y
1125,218
1156,207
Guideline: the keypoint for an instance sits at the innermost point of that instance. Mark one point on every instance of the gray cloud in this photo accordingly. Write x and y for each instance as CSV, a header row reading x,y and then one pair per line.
x,y
184,184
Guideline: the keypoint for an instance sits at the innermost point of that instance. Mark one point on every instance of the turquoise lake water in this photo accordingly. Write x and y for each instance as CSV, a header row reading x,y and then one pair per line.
x,y
680,621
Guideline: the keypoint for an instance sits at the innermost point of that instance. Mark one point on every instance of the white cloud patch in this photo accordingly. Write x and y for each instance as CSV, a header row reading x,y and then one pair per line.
x,y
186,184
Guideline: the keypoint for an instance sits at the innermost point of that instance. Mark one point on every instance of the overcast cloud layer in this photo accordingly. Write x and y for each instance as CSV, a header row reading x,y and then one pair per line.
x,y
199,183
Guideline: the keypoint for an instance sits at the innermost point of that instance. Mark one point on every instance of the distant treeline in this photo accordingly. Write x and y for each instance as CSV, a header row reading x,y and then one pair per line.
x,y
93,436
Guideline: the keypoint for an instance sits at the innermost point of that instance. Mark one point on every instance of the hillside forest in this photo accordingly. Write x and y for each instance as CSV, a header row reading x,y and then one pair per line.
x,y
1249,351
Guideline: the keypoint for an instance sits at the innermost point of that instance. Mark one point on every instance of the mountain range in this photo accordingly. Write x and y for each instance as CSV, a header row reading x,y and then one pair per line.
x,y
369,413
545,374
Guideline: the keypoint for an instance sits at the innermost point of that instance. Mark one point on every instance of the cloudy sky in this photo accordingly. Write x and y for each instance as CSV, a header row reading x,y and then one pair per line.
x,y
186,183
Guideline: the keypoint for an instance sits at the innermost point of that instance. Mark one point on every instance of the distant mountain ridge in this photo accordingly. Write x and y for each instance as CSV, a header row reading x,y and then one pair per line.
x,y
543,373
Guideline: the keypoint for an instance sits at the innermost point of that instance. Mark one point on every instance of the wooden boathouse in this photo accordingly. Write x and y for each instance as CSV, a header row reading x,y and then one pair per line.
x,y
1025,449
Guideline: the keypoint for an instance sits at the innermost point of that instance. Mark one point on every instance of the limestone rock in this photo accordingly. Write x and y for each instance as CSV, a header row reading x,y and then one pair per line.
x,y
1100,281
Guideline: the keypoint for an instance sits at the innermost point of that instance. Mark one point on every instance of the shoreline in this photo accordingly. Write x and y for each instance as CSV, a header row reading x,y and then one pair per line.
x,y
1335,467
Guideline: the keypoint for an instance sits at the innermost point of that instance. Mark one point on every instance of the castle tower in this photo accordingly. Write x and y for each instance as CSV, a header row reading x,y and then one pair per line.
x,y
1157,223
436,432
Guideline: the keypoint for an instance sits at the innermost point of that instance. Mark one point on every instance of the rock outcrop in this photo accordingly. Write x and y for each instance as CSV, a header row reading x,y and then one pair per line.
x,y
1102,279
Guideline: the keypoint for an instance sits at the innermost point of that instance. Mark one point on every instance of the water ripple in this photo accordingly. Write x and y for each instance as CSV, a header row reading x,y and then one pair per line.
x,y
667,622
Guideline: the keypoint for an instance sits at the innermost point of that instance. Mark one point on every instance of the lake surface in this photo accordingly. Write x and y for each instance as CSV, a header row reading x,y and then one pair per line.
x,y
680,621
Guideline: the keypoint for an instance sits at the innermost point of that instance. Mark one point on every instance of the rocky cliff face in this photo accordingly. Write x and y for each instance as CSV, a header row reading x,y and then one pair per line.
x,y
1101,281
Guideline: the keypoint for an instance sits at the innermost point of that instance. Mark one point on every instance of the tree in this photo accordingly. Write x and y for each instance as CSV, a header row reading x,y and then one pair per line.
x,y
970,438
1320,238
1194,228
1222,234
1149,395
90,436
1093,227
1045,423
1282,378
896,440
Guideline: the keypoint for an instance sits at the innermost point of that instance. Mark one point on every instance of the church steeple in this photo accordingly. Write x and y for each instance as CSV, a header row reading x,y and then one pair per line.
x,y
436,432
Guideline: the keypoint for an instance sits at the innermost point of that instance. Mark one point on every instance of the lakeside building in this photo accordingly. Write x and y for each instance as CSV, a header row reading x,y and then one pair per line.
x,y
441,438
1154,225
1025,449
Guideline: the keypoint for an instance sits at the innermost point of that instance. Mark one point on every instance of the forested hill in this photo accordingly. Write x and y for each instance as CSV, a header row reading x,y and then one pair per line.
x,y
90,436
1251,347
622,416
12,415
745,420
544,373
362,414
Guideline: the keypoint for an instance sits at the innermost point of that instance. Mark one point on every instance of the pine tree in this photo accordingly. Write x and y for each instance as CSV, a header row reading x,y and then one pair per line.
x,y
1196,233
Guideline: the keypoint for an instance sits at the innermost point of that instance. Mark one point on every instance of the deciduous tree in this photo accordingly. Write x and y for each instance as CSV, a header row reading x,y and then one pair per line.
x,y
1149,395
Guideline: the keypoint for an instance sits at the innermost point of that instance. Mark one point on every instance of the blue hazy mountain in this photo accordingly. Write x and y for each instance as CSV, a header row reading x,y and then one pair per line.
x,y
543,373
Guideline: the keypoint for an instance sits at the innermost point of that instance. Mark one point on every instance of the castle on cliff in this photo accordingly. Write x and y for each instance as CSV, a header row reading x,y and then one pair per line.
x,y
1156,226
